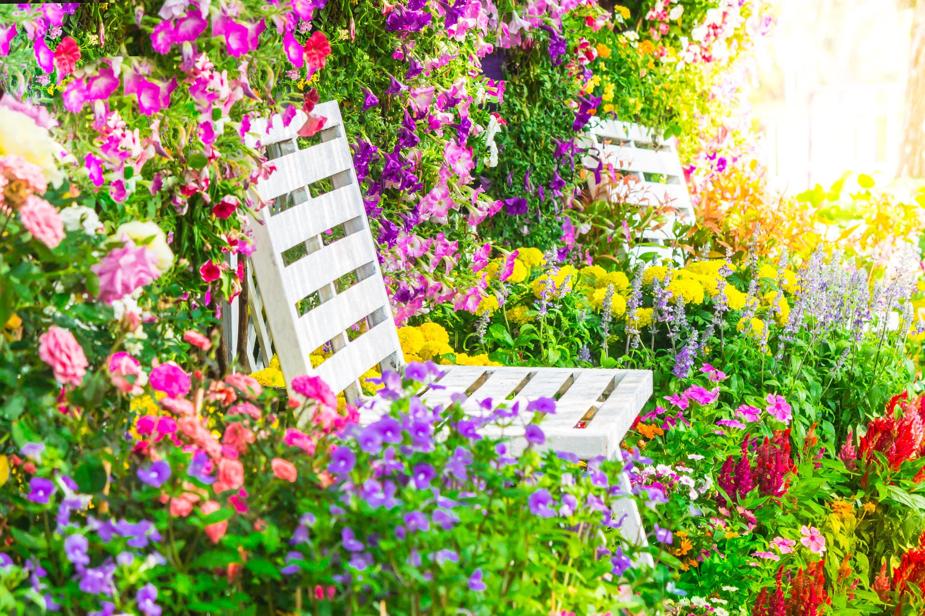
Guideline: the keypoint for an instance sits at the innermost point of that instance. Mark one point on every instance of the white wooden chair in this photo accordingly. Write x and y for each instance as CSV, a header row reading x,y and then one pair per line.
x,y
316,281
638,152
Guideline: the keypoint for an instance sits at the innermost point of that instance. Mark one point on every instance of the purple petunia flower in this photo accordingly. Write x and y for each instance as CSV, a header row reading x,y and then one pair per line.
x,y
33,451
515,206
422,475
5,560
146,597
40,490
290,568
444,519
342,461
620,562
416,371
98,580
389,429
540,504
200,467
75,548
663,535
370,440
534,434
154,474
369,100
475,581
542,405
444,556
350,542
416,521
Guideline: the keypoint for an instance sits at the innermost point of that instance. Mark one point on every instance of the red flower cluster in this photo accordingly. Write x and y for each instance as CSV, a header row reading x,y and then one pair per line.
x,y
911,572
899,439
769,473
807,594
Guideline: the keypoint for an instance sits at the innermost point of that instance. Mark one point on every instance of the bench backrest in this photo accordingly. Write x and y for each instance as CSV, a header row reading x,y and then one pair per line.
x,y
637,151
316,271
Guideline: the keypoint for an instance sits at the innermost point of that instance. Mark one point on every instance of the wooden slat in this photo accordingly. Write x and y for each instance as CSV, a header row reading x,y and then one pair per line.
x,y
644,161
609,129
545,384
499,385
280,132
334,316
457,379
326,265
315,216
304,167
344,367
589,385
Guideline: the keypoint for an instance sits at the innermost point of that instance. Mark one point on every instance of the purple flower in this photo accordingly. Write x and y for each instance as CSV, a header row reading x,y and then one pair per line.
x,y
290,568
444,556
97,580
154,474
75,548
444,519
542,405
342,461
416,521
389,429
350,542
540,502
620,562
421,475
5,560
40,490
558,47
569,504
199,468
361,561
468,428
416,371
369,100
534,435
663,535
146,597
515,206
33,451
370,440
475,581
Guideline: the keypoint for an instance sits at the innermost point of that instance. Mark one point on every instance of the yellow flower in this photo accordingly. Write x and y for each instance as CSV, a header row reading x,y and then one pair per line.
x,y
316,359
622,10
519,273
779,306
617,301
603,51
708,267
654,272
487,305
767,271
531,257
608,108
751,327
642,318
608,93
144,405
434,332
593,274
4,470
556,286
411,339
790,281
519,314
368,387
735,299
686,290
618,279
842,508
12,329
432,349
272,375
21,136
462,359
491,270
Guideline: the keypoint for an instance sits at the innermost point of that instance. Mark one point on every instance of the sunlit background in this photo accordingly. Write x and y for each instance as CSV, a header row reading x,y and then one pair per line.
x,y
830,91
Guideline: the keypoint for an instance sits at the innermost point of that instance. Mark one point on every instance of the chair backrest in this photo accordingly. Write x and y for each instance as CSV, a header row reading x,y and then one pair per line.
x,y
637,151
316,272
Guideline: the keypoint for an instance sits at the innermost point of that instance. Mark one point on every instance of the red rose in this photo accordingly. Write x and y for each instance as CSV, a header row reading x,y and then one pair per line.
x,y
66,55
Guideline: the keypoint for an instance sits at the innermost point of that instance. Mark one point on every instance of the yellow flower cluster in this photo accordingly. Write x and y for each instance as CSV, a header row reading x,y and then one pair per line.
x,y
558,284
426,342
272,375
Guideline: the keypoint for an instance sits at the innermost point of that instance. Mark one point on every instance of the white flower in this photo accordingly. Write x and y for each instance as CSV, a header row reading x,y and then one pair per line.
x,y
676,12
149,235
21,136
81,217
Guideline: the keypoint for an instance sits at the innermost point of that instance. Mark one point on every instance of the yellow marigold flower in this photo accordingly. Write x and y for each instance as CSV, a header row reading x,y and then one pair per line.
x,y
649,431
735,299
491,270
531,257
12,329
709,266
464,359
519,273
767,271
434,332
686,290
779,306
617,301
870,507
593,274
654,272
432,349
842,508
272,375
642,318
487,305
366,385
751,327
144,405
618,279
519,314
790,281
608,108
412,357
411,339
603,51
710,282
556,286
622,10
316,359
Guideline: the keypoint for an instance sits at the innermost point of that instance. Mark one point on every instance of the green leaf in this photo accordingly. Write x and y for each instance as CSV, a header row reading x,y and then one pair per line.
x,y
197,160
904,498
262,567
499,333
217,516
90,476
13,408
212,559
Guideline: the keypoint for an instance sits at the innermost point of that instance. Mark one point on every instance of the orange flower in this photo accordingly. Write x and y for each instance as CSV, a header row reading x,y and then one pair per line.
x,y
649,431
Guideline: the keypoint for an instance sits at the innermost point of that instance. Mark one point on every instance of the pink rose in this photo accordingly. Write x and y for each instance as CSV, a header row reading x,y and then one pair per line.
x,y
59,349
238,436
230,475
214,531
297,438
181,506
178,406
314,388
123,270
42,220
197,340
285,470
125,372
226,207
245,384
170,379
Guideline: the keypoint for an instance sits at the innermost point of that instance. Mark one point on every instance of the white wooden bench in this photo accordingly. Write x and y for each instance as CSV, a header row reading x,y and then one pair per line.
x,y
316,281
657,178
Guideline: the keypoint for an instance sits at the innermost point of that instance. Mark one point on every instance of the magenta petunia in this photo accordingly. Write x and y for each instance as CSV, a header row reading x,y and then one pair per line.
x,y
189,28
44,55
163,37
7,34
75,95
94,167
293,49
103,85
170,379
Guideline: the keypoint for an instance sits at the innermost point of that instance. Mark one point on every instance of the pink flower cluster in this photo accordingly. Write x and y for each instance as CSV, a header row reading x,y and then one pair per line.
x,y
42,221
59,349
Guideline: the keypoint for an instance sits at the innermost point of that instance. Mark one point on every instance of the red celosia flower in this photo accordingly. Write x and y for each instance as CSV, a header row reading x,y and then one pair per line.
x,y
317,50
910,573
807,594
66,56
898,439
773,463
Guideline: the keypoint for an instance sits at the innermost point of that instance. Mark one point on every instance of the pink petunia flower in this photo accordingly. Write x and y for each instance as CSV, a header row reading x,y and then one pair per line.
x,y
766,555
59,349
314,388
7,34
701,395
293,49
749,413
812,539
778,408
784,546
123,270
42,221
713,374
44,55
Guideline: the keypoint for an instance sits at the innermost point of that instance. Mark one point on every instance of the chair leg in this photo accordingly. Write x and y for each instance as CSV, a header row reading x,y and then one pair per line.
x,y
626,508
